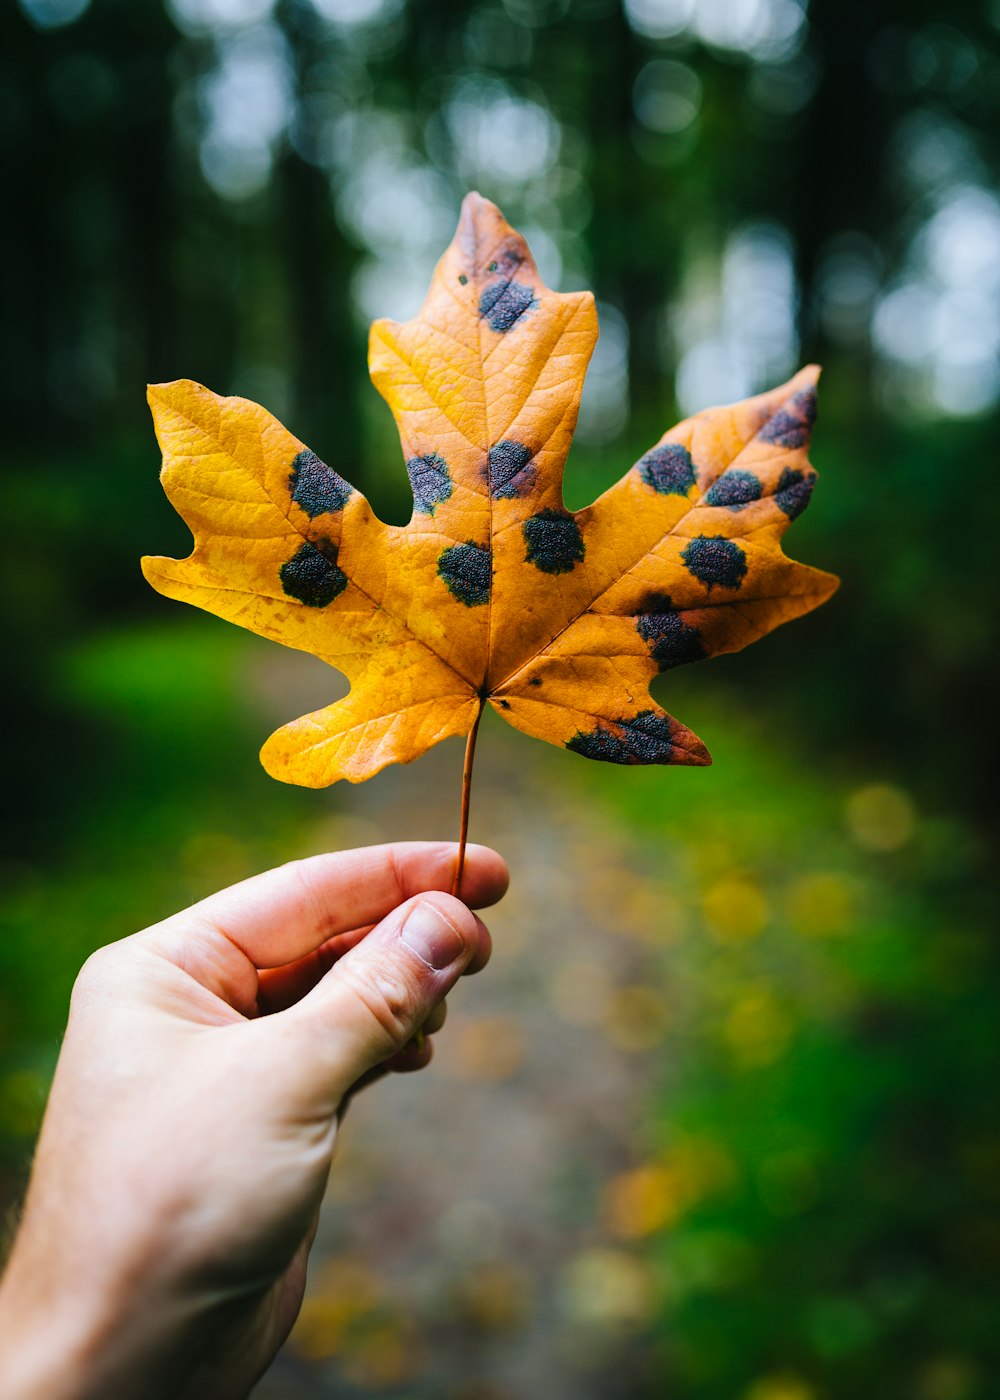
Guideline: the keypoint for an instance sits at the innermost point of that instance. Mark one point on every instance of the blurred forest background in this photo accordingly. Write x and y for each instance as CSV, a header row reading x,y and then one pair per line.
x,y
230,190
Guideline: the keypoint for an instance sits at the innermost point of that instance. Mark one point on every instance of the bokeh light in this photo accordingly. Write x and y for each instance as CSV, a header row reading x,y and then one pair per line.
x,y
941,324
247,103
734,329
196,16
53,14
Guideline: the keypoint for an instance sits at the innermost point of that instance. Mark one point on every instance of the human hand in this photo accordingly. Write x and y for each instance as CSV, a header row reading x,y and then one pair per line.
x,y
191,1125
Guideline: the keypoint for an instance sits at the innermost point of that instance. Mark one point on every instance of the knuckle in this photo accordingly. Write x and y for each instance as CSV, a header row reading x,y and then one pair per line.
x,y
397,872
97,975
387,998
303,874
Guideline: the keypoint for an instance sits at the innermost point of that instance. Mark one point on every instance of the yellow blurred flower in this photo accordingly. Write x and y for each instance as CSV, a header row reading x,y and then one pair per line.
x,y
642,1201
648,913
609,1288
780,1387
758,1027
383,1356
654,1195
947,1378
490,1047
734,909
881,817
494,1297
342,1294
822,903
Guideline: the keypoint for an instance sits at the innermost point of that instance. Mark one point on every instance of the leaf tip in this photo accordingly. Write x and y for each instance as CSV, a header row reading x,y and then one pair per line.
x,y
696,754
152,566
167,396
281,762
827,585
481,224
476,206
156,393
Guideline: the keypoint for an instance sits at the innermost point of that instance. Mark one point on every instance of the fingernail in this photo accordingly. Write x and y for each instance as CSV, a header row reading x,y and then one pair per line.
x,y
434,940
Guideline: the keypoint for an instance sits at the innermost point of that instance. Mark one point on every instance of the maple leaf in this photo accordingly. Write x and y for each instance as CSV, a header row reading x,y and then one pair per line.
x,y
494,592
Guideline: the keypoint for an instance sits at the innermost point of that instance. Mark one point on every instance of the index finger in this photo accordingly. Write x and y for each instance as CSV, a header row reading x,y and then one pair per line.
x,y
286,913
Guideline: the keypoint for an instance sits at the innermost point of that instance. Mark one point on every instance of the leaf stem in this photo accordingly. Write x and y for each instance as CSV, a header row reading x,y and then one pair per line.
x,y
470,754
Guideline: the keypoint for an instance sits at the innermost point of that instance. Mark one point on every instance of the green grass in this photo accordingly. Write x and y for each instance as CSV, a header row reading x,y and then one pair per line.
x,y
826,1122
164,807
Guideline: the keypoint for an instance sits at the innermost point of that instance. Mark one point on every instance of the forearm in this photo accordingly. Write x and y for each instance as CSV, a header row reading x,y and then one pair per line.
x,y
54,1346
63,1338
71,1330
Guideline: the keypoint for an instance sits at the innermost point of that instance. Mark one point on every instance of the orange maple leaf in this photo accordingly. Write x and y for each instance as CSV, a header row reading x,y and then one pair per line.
x,y
494,592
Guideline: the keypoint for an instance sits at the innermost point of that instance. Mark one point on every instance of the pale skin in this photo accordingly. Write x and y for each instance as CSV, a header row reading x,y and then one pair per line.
x,y
192,1122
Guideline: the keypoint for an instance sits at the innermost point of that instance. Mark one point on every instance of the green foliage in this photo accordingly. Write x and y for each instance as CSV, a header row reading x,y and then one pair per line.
x,y
162,810
826,1133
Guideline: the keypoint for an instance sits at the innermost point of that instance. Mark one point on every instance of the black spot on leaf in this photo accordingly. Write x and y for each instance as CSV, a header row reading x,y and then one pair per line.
x,y
430,481
504,704
312,575
734,488
671,641
508,470
317,488
553,541
794,491
668,469
715,560
467,570
535,680
792,425
462,278
643,739
505,303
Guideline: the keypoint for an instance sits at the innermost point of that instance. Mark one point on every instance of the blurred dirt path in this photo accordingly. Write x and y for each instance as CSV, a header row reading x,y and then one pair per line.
x,y
475,1243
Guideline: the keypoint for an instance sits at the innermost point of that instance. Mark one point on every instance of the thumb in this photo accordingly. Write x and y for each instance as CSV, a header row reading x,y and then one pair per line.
x,y
376,996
